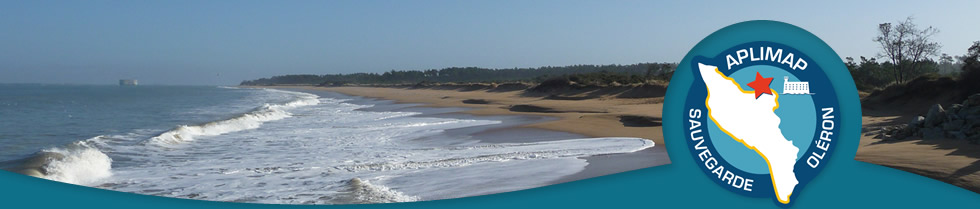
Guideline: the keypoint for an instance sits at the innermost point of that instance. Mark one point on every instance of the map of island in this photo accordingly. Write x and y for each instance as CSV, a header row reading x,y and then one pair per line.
x,y
749,118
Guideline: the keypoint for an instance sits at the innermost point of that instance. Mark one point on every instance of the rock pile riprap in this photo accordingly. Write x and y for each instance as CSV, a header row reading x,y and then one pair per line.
x,y
958,121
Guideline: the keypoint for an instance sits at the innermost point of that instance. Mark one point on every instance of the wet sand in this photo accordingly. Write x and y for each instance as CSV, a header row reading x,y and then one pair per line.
x,y
596,117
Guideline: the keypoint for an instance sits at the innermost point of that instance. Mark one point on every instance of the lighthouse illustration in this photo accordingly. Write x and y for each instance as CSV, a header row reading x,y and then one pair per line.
x,y
795,87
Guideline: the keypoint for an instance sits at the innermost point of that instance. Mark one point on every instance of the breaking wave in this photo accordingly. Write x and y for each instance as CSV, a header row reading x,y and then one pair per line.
x,y
83,163
246,121
78,163
330,153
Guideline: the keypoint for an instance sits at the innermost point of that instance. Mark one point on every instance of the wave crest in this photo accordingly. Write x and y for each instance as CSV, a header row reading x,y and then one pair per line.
x,y
249,120
77,163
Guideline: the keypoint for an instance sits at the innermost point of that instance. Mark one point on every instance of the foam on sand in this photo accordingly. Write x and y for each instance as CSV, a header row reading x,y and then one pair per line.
x,y
464,156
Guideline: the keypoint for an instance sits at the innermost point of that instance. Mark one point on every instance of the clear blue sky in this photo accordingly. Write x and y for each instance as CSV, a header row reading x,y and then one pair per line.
x,y
224,42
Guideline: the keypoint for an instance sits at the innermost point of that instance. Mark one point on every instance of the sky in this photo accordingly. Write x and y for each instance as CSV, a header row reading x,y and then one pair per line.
x,y
224,42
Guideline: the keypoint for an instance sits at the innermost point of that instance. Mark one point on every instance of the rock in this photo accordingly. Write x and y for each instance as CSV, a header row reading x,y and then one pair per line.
x,y
935,116
969,111
911,129
973,100
917,121
899,132
957,135
956,106
972,118
953,125
904,134
973,131
973,139
966,127
953,110
932,133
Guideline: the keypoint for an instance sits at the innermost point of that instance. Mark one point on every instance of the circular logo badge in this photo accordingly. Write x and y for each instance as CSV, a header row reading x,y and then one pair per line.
x,y
760,119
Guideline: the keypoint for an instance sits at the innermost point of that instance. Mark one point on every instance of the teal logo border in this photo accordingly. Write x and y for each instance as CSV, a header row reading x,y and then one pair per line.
x,y
763,184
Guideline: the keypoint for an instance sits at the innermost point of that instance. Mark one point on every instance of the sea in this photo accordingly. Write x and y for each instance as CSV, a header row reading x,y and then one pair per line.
x,y
261,145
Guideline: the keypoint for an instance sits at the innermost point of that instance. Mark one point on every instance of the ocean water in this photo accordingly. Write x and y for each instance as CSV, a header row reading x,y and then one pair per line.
x,y
272,146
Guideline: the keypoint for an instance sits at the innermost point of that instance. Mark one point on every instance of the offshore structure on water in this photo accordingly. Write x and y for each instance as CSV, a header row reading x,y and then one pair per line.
x,y
128,82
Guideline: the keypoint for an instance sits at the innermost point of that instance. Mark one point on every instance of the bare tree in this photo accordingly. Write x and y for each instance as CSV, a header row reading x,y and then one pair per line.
x,y
905,45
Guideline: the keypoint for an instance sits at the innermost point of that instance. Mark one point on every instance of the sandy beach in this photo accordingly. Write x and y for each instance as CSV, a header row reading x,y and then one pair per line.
x,y
597,117
952,161
602,116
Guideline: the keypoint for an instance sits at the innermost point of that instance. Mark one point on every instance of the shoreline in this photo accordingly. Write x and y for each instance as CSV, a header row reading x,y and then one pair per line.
x,y
561,119
597,117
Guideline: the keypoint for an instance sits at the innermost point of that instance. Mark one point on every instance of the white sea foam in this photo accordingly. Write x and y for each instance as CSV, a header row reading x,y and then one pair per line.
x,y
79,163
83,162
330,153
463,156
250,120
361,192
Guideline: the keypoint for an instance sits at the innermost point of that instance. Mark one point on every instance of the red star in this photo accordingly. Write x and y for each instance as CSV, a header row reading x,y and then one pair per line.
x,y
761,85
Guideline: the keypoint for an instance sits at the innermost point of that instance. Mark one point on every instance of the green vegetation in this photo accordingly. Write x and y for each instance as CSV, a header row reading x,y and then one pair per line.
x,y
970,75
582,74
602,79
869,74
